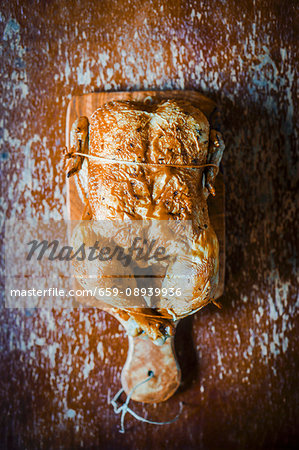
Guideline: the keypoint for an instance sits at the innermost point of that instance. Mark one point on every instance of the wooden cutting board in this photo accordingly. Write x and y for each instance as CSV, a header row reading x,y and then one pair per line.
x,y
144,356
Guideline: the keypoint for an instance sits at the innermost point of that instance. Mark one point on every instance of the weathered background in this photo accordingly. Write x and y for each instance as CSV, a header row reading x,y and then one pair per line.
x,y
59,369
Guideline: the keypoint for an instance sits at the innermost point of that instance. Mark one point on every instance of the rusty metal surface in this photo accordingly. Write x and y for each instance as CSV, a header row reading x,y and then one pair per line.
x,y
60,368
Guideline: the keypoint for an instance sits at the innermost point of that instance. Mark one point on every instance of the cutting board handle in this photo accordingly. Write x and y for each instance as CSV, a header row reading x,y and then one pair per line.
x,y
144,359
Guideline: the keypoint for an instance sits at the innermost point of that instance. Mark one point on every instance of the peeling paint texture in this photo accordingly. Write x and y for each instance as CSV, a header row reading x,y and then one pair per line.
x,y
59,369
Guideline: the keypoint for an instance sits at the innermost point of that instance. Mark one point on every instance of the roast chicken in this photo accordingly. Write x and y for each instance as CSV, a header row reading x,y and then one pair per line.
x,y
153,164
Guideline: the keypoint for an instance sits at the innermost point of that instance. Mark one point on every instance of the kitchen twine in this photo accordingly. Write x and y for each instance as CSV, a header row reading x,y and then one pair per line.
x,y
124,408
139,163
